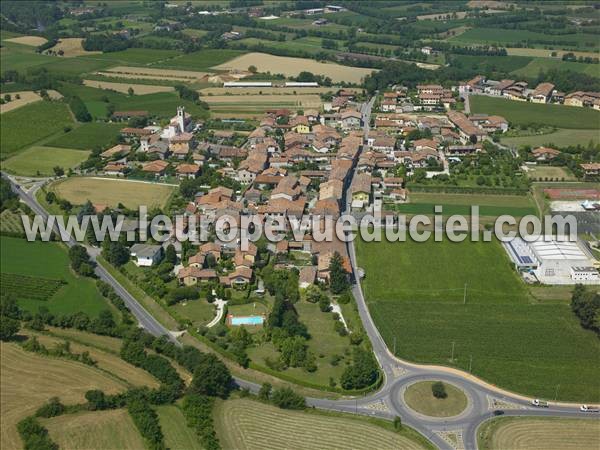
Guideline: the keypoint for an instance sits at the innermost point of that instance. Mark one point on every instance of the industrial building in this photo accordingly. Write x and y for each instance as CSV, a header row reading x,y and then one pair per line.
x,y
552,261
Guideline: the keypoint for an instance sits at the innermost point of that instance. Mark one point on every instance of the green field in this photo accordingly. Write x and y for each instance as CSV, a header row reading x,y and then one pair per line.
x,y
50,260
199,61
163,104
251,425
524,433
89,136
493,63
489,205
21,57
419,397
506,36
558,138
524,113
41,160
178,436
533,68
415,292
29,124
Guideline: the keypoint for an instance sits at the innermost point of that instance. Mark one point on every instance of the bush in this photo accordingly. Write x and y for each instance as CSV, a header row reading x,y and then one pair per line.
x,y
439,390
146,421
51,409
197,410
286,398
34,435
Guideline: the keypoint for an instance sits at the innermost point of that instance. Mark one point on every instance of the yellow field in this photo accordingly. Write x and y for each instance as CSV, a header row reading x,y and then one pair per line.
x,y
111,192
27,97
71,48
293,66
246,424
95,430
269,91
108,343
138,89
108,362
28,380
518,433
153,74
544,53
33,41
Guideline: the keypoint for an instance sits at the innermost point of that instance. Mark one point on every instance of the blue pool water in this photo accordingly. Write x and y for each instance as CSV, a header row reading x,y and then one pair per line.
x,y
248,320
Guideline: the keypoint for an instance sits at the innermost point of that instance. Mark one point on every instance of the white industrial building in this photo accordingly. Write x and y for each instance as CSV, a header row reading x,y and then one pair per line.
x,y
247,84
552,261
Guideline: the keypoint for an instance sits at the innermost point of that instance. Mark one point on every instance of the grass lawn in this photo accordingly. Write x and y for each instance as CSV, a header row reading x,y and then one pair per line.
x,y
247,424
559,138
552,172
41,160
199,312
95,429
49,260
88,136
419,397
11,221
112,191
21,57
28,380
324,343
415,293
29,124
521,433
493,63
524,113
178,436
200,61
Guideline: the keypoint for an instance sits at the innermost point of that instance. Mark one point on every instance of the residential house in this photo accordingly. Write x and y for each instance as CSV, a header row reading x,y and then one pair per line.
x,y
187,170
542,154
119,149
158,167
146,255
192,275
307,276
542,93
350,120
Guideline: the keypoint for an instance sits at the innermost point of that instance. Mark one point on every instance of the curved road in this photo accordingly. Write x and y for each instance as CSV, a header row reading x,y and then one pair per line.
x,y
388,402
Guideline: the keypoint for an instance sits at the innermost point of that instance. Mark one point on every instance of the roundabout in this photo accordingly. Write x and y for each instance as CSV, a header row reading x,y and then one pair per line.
x,y
450,401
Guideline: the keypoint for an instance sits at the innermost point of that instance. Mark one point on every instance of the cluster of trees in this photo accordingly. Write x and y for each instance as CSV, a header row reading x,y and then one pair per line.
x,y
284,397
338,277
8,199
186,93
585,303
34,435
146,421
438,389
58,351
197,410
80,261
115,252
105,43
362,372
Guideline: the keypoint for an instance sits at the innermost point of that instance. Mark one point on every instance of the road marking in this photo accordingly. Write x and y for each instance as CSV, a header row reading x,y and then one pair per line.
x,y
453,437
496,403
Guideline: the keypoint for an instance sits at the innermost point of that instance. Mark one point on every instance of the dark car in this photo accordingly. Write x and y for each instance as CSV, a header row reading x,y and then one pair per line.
x,y
498,412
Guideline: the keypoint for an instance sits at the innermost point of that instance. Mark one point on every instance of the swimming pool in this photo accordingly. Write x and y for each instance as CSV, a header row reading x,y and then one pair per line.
x,y
247,320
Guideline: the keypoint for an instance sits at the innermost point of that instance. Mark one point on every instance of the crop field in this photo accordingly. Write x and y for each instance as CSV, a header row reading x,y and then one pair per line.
x,y
71,47
178,436
266,91
10,221
293,66
503,36
520,433
49,260
152,73
17,132
532,69
33,41
416,295
493,63
29,288
489,205
28,380
246,424
202,60
162,104
545,53
111,192
138,89
524,113
141,56
88,136
255,105
111,429
20,57
559,138
27,97
37,161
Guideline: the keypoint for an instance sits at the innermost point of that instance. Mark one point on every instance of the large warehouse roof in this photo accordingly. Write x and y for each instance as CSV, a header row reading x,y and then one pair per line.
x,y
557,250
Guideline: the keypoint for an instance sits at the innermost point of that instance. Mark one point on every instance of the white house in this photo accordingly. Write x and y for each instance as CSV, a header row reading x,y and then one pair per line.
x,y
146,255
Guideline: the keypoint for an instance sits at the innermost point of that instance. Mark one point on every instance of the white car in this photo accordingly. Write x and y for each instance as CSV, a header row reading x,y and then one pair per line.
x,y
588,408
539,403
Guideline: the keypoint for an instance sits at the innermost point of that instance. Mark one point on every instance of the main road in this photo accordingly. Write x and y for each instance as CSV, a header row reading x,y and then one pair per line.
x,y
388,402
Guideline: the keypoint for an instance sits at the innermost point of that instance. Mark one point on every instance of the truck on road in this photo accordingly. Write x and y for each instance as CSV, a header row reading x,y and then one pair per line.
x,y
539,403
